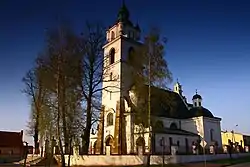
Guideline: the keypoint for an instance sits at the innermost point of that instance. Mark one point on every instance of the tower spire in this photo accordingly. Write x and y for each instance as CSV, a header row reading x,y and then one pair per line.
x,y
123,14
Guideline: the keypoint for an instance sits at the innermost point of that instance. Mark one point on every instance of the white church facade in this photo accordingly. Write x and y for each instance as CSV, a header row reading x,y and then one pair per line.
x,y
174,122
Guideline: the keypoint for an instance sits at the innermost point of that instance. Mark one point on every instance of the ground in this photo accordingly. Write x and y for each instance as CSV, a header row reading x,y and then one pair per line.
x,y
240,162
242,165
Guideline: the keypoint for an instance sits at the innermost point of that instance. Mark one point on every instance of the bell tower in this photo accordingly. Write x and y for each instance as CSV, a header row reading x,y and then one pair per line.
x,y
122,39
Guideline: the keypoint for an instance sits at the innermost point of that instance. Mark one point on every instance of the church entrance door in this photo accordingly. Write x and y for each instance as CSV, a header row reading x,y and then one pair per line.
x,y
140,145
109,144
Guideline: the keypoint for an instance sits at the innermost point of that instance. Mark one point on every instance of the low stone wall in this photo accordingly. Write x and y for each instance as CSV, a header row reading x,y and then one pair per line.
x,y
193,158
130,160
104,160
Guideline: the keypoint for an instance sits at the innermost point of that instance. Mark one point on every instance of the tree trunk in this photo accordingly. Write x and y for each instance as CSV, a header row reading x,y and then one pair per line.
x,y
86,135
70,148
62,153
36,138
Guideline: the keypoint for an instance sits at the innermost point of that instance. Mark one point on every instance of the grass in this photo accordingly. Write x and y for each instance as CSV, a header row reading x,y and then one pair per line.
x,y
232,161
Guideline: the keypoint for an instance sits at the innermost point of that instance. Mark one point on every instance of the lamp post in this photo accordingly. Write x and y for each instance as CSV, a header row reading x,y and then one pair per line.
x,y
25,153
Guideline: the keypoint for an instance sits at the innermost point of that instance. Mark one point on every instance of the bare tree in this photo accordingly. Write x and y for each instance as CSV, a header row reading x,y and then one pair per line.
x,y
93,39
34,89
149,67
61,77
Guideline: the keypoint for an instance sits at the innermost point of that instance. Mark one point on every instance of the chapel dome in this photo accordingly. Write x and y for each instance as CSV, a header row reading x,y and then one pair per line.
x,y
201,111
197,96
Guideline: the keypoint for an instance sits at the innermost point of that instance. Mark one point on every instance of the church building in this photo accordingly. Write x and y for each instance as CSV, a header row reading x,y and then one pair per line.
x,y
174,122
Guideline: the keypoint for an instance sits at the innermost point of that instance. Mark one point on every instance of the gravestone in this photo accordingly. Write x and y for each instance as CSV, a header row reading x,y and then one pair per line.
x,y
212,150
247,149
174,150
193,149
225,149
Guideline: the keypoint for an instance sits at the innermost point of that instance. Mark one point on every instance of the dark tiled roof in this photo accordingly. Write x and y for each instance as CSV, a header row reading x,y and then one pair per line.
x,y
174,131
201,111
164,103
11,139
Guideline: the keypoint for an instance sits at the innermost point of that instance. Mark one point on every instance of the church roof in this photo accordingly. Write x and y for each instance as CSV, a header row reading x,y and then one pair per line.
x,y
123,15
197,96
166,103
201,111
174,131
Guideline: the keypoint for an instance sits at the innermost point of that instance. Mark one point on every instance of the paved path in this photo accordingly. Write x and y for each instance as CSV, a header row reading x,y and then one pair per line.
x,y
241,165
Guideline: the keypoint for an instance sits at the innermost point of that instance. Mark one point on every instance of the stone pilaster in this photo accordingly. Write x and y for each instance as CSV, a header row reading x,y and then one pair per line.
x,y
119,146
100,133
116,142
123,128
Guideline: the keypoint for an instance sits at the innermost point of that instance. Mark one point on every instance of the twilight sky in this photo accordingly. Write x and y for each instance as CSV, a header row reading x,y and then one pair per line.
x,y
208,48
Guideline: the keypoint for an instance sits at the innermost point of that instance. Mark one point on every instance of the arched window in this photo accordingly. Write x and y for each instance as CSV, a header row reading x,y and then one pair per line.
x,y
111,76
211,134
109,119
186,144
112,35
159,125
170,141
131,53
112,56
173,126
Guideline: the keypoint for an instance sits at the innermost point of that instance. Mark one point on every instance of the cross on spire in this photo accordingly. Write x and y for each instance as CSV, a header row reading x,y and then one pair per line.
x,y
196,91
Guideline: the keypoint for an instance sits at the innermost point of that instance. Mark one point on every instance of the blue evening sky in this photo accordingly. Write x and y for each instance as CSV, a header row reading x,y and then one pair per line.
x,y
208,48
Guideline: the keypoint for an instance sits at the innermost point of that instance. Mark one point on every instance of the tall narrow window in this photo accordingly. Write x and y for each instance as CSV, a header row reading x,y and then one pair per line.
x,y
112,56
111,76
170,141
110,94
211,135
109,119
112,35
131,53
186,144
